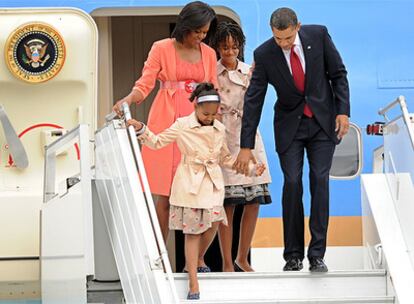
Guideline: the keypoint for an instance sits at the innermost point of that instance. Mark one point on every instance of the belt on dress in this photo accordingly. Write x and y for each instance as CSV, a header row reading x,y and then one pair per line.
x,y
188,85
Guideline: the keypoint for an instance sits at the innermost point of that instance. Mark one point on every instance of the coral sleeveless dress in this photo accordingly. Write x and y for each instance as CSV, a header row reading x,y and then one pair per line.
x,y
185,71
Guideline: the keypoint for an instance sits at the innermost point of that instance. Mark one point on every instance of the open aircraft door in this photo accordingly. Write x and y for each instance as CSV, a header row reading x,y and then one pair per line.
x,y
48,85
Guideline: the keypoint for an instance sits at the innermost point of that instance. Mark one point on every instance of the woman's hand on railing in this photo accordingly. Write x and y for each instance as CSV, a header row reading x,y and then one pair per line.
x,y
134,96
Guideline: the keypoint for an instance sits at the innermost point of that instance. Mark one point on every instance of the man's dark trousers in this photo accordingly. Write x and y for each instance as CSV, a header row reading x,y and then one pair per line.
x,y
319,148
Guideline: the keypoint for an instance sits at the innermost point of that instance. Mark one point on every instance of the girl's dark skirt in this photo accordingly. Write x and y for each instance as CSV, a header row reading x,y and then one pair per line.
x,y
246,195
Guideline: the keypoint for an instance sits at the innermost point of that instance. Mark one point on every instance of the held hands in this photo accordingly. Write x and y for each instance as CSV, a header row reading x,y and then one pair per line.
x,y
341,125
241,165
259,169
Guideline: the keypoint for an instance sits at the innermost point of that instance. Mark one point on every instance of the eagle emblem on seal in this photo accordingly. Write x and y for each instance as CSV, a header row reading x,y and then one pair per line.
x,y
36,53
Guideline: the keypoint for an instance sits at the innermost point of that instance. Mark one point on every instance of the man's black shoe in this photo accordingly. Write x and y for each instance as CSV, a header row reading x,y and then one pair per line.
x,y
316,264
293,264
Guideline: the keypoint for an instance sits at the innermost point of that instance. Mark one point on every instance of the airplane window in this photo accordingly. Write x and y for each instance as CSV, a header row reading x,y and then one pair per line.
x,y
347,159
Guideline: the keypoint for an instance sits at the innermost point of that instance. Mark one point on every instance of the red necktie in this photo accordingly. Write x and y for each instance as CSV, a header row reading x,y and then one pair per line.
x,y
299,77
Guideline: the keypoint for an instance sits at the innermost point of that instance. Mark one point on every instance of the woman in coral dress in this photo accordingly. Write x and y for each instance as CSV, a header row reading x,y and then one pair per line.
x,y
178,63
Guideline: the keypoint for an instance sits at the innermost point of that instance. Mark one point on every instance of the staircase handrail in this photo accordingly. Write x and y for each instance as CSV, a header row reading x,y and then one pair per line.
x,y
164,259
408,120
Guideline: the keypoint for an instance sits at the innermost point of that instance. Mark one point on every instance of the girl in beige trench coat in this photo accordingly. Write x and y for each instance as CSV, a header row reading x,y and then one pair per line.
x,y
197,191
248,191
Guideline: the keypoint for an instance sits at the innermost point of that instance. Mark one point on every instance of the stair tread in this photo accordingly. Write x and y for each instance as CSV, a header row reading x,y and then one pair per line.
x,y
257,287
268,275
342,300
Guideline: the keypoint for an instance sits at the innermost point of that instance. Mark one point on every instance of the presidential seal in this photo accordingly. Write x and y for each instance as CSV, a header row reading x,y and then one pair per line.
x,y
35,52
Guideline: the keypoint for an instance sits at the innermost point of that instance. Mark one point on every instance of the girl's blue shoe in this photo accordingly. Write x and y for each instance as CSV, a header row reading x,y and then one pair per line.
x,y
200,269
193,296
203,269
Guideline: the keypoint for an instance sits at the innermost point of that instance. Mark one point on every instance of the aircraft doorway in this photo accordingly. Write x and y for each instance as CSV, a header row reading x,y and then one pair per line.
x,y
125,38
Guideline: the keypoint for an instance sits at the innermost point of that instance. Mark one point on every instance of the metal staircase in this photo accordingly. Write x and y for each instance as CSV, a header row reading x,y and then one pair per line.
x,y
139,253
387,202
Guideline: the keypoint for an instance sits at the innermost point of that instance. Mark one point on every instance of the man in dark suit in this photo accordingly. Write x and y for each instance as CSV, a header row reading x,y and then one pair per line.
x,y
311,114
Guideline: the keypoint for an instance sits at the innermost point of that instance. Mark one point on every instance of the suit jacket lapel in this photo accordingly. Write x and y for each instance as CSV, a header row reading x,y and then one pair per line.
x,y
282,65
307,51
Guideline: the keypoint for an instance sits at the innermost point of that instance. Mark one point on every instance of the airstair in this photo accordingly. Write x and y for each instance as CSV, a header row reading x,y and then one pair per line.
x,y
104,227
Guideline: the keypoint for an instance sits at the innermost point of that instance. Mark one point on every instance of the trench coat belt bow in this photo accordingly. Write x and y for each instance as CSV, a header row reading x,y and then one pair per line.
x,y
199,168
235,113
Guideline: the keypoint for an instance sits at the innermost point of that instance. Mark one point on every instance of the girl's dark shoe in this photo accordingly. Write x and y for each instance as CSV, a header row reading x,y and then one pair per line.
x,y
237,268
203,269
199,269
193,296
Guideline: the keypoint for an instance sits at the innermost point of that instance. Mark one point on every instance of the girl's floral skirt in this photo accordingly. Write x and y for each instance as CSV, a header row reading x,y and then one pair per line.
x,y
194,220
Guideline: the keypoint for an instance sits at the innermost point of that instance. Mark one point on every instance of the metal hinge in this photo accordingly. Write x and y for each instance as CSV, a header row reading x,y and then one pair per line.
x,y
156,264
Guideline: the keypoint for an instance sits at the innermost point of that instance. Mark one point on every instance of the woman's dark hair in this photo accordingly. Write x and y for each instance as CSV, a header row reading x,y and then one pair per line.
x,y
226,29
192,17
203,89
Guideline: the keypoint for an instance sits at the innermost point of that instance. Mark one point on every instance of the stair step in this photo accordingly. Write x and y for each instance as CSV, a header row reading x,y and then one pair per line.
x,y
349,300
348,286
105,292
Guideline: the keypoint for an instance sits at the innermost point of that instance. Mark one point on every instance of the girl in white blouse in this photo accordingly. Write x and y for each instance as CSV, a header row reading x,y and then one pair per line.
x,y
197,191
250,191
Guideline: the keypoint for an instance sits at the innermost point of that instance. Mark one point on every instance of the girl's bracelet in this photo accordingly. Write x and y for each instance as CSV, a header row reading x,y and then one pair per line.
x,y
141,131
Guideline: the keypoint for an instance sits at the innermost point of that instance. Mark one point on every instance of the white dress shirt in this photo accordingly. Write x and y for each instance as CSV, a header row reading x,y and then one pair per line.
x,y
299,51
